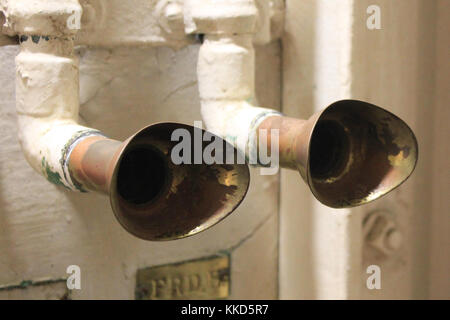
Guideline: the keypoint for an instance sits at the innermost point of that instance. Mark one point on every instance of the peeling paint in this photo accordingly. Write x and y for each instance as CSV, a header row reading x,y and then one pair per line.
x,y
35,39
51,176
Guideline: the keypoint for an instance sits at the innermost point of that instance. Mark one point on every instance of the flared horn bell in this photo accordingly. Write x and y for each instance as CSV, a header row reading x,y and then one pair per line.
x,y
152,197
350,153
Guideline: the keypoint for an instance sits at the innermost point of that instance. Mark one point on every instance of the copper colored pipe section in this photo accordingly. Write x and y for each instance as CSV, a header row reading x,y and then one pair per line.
x,y
289,130
92,162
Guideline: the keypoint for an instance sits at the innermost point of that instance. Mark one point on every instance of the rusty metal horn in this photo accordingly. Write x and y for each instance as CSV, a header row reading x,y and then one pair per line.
x,y
152,197
349,154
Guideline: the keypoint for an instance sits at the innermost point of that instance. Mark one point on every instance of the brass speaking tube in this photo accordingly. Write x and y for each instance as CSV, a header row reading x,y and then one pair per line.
x,y
349,154
153,198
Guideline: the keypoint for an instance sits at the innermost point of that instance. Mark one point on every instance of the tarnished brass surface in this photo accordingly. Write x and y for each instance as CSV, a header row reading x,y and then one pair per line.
x,y
207,278
351,153
153,198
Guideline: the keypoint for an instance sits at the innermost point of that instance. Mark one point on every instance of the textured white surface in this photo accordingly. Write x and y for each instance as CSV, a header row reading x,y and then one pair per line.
x,y
48,17
132,22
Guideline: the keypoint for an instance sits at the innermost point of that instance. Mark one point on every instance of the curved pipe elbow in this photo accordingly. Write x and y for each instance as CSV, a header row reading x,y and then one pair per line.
x,y
47,107
237,122
349,154
225,72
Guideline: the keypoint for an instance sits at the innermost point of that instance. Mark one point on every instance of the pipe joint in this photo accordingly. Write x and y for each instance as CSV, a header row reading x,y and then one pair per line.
x,y
220,16
226,79
41,17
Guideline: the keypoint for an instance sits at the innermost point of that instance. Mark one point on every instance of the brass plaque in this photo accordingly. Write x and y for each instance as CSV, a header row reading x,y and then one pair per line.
x,y
207,278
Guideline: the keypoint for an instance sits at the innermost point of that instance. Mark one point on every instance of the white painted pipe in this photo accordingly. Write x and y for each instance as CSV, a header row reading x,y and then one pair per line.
x,y
47,103
226,71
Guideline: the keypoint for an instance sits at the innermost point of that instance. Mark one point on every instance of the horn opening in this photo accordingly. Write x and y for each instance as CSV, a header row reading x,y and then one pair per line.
x,y
142,175
350,153
358,152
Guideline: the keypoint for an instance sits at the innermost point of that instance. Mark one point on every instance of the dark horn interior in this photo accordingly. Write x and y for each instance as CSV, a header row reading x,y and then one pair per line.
x,y
329,151
142,175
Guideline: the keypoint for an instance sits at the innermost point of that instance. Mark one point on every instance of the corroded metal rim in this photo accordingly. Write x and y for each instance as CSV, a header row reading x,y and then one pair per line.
x,y
351,153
